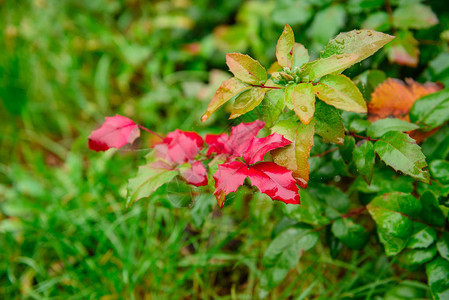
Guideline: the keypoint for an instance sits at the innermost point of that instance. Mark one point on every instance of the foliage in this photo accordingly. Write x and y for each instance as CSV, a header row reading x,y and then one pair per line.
x,y
368,226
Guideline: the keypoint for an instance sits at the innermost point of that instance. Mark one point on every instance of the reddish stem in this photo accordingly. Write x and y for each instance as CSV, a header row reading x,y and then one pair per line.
x,y
363,137
267,87
151,131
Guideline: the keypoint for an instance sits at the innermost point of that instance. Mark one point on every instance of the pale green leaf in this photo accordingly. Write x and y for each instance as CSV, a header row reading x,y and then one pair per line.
x,y
341,92
400,151
247,101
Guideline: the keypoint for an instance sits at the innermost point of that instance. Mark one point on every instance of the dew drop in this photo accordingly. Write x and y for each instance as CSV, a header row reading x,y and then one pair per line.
x,y
358,32
303,108
370,33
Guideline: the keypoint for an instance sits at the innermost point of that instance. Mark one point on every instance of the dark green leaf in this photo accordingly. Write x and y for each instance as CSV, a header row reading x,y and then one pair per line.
x,y
400,151
393,214
443,245
432,110
311,211
440,170
437,275
422,237
382,126
202,208
351,234
406,290
329,124
385,181
364,159
431,212
414,257
283,253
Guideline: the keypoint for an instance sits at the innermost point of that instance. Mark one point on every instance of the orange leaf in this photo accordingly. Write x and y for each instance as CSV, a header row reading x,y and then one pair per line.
x,y
394,98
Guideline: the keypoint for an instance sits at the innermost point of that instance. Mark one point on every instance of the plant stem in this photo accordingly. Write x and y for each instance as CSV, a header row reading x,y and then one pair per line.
x,y
151,131
267,87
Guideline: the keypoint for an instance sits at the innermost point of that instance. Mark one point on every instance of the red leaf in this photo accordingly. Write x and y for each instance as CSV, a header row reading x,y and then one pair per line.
x,y
271,179
195,175
228,178
114,133
260,146
275,181
237,142
180,147
183,146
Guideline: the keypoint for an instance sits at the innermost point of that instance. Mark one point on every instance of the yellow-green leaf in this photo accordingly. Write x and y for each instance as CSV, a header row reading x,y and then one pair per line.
x,y
225,92
339,91
332,64
303,100
295,156
247,101
284,47
246,69
300,55
363,43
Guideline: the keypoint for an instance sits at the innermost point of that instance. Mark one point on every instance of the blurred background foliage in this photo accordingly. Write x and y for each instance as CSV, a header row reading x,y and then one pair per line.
x,y
66,64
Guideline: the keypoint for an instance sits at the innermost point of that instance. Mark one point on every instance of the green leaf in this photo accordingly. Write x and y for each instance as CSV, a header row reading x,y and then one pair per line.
x,y
400,151
363,43
283,253
225,92
202,208
437,271
422,237
300,55
284,47
311,211
431,212
440,170
336,200
393,214
323,66
406,290
431,110
329,124
382,126
443,245
341,92
437,145
147,180
377,21
364,158
351,234
385,181
415,16
247,101
303,100
415,257
327,22
272,106
246,69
